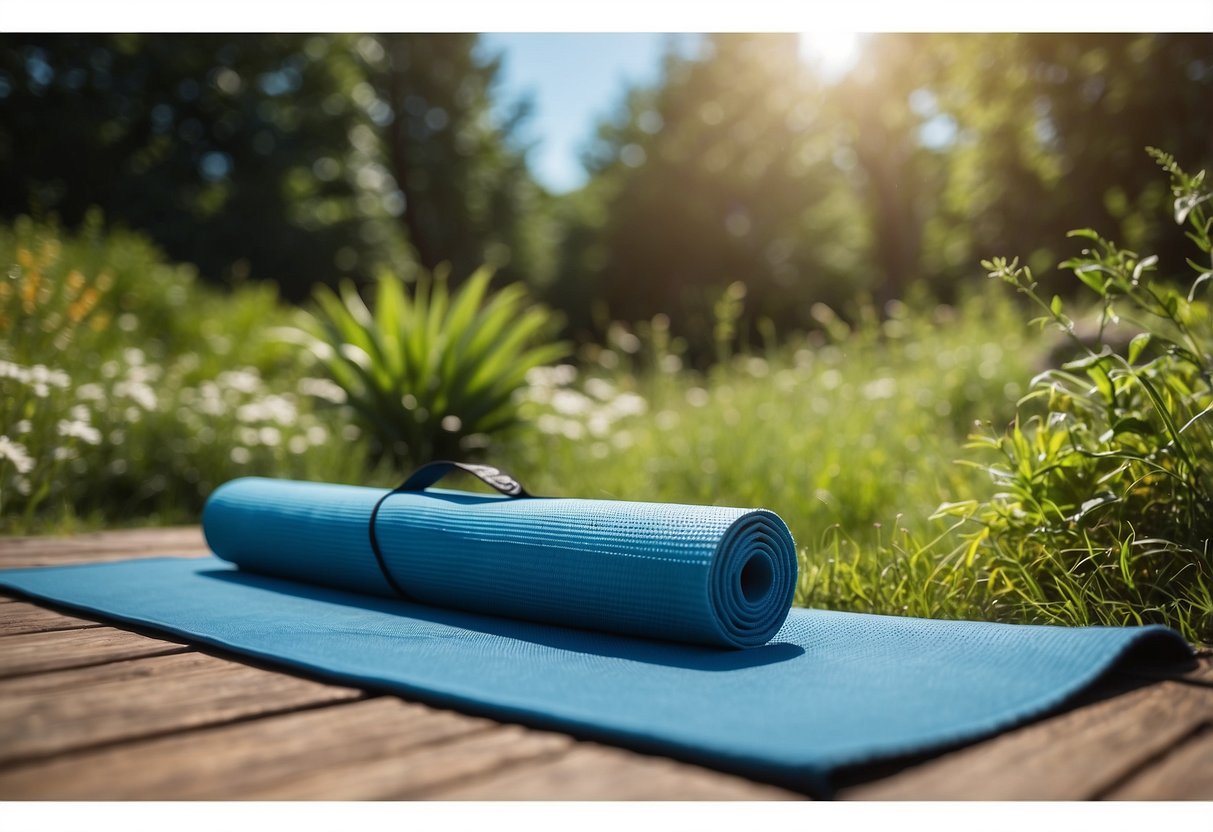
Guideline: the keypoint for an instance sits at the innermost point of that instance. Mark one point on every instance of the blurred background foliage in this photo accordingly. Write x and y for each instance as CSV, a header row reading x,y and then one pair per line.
x,y
300,159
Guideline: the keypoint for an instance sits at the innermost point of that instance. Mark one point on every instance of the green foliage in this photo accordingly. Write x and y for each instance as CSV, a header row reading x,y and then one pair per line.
x,y
238,153
848,436
724,172
431,373
118,407
1105,501
468,196
742,165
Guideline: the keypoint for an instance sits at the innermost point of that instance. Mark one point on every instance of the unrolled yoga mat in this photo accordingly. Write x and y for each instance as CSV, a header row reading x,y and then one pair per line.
x,y
828,690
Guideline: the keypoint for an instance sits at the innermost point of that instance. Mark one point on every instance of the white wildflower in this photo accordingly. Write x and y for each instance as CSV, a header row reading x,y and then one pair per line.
x,y
23,486
24,426
667,420
316,435
41,374
323,388
133,356
549,424
670,363
246,380
697,397
80,430
599,423
757,367
17,454
90,392
558,376
572,430
270,436
249,436
139,392
14,371
241,456
273,408
297,444
628,404
881,388
571,403
600,389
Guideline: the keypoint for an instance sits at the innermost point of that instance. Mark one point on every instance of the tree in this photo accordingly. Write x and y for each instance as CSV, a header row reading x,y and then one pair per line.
x,y
1048,132
233,152
725,171
467,193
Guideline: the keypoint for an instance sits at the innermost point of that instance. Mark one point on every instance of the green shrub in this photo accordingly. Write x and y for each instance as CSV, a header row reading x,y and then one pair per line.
x,y
429,373
129,391
1104,512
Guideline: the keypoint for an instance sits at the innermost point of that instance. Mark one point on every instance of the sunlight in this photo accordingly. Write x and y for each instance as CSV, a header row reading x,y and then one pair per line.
x,y
834,53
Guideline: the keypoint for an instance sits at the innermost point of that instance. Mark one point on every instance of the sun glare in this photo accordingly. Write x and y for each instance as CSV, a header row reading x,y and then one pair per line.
x,y
832,52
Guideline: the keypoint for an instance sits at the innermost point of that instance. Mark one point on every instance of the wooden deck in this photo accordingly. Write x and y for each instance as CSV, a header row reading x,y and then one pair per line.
x,y
96,712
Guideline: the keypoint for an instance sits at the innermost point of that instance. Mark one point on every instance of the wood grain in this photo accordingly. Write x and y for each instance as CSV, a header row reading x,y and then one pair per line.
x,y
411,774
316,753
1075,756
59,712
1184,774
96,547
21,617
593,772
59,650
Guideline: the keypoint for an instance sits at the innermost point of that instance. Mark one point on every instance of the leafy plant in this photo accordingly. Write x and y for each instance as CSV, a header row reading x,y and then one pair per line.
x,y
431,373
1105,508
128,391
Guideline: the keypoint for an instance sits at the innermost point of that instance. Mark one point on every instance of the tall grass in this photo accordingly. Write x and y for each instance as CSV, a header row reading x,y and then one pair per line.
x,y
850,436
129,391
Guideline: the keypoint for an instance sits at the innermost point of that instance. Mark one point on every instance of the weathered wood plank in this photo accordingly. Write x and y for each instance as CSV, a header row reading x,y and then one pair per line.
x,y
1184,774
95,547
411,774
1074,756
309,754
58,712
594,772
21,617
59,650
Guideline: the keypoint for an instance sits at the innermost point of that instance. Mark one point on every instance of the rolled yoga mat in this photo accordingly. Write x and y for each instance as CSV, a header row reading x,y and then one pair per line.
x,y
702,574
827,691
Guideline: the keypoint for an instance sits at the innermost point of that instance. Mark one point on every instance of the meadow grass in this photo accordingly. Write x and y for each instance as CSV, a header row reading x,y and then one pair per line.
x,y
850,436
130,392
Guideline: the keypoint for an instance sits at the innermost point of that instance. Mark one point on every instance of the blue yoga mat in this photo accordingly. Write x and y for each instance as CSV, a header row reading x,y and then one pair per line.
x,y
827,690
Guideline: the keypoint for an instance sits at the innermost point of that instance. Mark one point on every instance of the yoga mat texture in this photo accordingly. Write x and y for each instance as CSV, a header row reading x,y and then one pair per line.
x,y
705,574
828,690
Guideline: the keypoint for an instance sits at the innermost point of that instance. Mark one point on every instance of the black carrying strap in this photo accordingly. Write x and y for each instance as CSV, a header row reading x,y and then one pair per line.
x,y
423,478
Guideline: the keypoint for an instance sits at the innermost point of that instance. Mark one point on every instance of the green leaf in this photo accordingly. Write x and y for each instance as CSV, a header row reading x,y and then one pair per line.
x,y
1140,342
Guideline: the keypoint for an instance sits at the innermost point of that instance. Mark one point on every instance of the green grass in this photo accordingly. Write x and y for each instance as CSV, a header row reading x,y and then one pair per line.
x,y
130,391
851,439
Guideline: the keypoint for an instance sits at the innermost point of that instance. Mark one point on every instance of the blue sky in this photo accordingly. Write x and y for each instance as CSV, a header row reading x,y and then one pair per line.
x,y
574,80
577,79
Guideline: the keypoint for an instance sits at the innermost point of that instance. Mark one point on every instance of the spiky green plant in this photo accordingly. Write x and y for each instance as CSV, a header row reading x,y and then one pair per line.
x,y
431,373
1105,507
